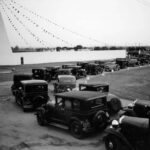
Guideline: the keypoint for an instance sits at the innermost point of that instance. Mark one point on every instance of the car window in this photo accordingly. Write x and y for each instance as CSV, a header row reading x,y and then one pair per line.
x,y
76,105
60,101
97,102
67,104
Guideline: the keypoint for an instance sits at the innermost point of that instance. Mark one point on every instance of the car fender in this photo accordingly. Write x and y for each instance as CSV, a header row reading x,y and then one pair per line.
x,y
117,133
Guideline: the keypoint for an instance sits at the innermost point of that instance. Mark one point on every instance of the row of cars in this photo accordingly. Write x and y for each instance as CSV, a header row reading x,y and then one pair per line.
x,y
81,111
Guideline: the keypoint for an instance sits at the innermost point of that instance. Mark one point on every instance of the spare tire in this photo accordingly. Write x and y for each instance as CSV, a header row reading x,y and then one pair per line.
x,y
100,120
114,105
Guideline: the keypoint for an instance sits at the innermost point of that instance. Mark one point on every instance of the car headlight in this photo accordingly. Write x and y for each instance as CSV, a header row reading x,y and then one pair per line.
x,y
68,89
115,123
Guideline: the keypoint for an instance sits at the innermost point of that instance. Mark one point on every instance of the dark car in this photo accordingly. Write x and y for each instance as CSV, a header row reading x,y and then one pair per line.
x,y
32,94
83,64
65,83
52,71
93,69
144,59
129,133
79,111
76,70
17,78
122,62
113,102
139,108
41,74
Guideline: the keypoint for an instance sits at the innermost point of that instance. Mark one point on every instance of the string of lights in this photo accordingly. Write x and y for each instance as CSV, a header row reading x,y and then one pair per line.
x,y
26,28
14,27
59,26
38,26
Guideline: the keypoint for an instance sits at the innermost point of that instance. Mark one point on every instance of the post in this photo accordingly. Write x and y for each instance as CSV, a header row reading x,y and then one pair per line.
x,y
22,61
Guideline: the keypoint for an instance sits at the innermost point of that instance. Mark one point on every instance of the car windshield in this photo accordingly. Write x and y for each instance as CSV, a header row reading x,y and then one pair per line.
x,y
36,88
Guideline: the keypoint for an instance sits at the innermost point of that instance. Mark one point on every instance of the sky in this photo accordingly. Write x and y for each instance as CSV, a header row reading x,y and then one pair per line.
x,y
91,22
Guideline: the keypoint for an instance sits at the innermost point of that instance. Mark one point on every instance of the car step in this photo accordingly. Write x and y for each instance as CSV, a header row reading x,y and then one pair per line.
x,y
59,125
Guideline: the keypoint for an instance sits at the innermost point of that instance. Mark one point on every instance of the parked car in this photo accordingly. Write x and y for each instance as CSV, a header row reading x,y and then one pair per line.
x,y
138,108
129,133
17,78
76,70
122,62
83,64
79,111
111,66
93,69
64,83
32,94
113,102
52,71
133,62
64,72
41,74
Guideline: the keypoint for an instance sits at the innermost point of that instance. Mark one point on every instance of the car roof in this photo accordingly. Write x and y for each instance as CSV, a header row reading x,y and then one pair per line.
x,y
26,82
66,76
81,95
64,69
94,84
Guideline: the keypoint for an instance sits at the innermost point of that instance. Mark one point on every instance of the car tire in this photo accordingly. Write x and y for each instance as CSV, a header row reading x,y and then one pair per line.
x,y
112,142
100,120
41,117
76,129
114,105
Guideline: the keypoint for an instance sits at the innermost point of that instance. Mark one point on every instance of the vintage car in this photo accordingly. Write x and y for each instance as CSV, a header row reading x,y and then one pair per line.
x,y
64,83
128,133
17,78
79,111
76,70
52,71
111,66
93,69
122,62
32,94
83,64
138,108
41,74
64,72
133,62
144,59
113,102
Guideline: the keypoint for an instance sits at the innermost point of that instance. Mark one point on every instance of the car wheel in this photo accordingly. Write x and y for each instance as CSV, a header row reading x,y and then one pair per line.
x,y
41,118
76,129
114,105
100,120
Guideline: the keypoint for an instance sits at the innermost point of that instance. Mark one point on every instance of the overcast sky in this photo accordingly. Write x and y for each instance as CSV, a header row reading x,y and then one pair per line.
x,y
103,22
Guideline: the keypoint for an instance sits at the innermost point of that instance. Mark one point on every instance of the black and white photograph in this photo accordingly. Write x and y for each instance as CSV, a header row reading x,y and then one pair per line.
x,y
74,74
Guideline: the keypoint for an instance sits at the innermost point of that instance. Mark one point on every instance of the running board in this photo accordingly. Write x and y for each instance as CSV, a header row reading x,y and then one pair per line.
x,y
59,125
